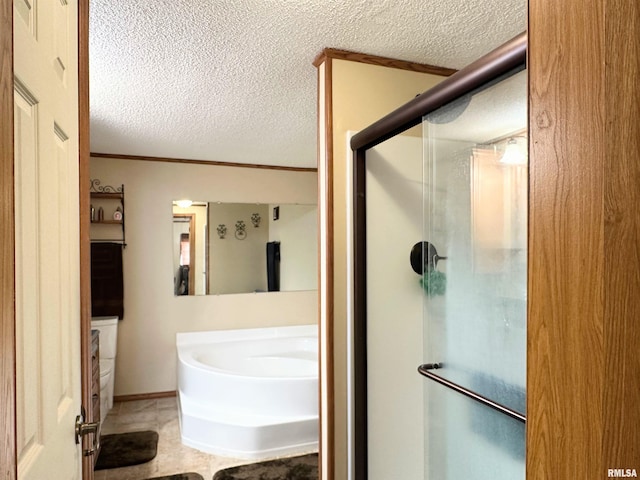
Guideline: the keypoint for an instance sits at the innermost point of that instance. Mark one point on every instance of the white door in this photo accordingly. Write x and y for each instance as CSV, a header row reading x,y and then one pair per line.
x,y
47,239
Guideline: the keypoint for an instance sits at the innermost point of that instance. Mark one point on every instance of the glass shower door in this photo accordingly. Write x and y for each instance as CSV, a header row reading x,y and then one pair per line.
x,y
473,273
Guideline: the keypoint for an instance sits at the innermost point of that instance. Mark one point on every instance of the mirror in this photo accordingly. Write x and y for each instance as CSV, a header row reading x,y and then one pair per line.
x,y
224,248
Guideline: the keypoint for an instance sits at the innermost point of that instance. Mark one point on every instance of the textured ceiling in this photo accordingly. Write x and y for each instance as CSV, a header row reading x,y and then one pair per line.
x,y
233,80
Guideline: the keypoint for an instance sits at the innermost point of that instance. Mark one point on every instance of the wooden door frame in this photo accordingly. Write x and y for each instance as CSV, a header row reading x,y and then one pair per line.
x,y
84,180
192,249
582,334
8,452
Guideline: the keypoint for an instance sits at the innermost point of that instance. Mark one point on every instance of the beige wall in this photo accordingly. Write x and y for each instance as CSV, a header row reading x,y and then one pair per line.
x,y
146,360
395,403
361,94
237,265
298,247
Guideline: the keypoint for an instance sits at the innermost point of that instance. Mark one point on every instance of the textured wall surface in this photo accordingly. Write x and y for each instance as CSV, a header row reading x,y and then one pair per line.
x,y
233,80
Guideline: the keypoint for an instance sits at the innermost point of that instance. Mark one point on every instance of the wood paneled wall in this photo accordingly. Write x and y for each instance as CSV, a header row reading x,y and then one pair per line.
x,y
584,283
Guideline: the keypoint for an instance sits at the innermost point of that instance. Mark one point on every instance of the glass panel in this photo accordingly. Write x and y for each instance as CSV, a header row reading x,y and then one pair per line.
x,y
394,310
475,204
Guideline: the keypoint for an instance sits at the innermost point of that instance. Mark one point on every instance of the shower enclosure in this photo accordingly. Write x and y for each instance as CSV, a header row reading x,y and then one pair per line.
x,y
440,283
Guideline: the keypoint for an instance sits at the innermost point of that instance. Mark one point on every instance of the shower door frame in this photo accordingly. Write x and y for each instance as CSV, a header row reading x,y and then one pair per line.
x,y
506,58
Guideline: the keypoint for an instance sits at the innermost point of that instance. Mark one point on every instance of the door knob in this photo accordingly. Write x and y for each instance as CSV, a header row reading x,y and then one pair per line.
x,y
83,428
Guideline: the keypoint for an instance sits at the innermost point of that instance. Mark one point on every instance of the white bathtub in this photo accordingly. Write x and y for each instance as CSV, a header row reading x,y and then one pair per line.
x,y
249,393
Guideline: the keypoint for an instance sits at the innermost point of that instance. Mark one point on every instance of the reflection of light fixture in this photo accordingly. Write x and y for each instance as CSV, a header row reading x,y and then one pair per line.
x,y
184,203
255,219
513,154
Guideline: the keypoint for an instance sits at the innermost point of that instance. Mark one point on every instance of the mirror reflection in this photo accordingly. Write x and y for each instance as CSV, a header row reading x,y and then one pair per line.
x,y
224,248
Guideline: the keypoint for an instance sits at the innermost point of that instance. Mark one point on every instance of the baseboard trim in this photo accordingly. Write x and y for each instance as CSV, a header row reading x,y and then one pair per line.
x,y
144,396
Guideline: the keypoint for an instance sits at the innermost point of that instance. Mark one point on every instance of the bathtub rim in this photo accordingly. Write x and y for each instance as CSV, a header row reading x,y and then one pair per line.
x,y
188,342
207,336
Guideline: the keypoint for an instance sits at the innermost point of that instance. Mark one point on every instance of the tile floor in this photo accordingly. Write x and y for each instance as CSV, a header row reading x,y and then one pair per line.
x,y
160,415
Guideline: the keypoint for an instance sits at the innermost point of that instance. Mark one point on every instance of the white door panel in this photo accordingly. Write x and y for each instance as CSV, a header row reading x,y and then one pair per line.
x,y
47,239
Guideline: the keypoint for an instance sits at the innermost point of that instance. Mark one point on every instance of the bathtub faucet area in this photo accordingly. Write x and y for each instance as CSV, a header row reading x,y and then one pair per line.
x,y
250,393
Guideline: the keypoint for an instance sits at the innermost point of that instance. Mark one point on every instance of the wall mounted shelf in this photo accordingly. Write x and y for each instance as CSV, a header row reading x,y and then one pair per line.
x,y
110,200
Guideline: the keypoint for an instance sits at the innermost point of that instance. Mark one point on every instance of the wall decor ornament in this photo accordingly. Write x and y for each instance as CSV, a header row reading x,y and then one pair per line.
x,y
222,230
241,230
255,219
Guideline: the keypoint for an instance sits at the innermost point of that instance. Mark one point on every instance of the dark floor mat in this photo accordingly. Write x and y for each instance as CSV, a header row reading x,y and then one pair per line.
x,y
180,476
126,449
303,467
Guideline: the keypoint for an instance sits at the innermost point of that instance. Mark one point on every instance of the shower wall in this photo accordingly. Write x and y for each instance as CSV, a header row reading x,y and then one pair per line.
x,y
394,324
358,94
